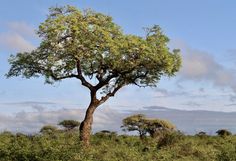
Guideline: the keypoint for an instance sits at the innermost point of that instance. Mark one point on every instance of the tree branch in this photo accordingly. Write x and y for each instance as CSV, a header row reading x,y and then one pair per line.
x,y
110,94
54,76
81,77
103,82
138,77
63,77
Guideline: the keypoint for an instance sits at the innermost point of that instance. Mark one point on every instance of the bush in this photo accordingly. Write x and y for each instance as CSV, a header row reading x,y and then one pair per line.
x,y
227,152
223,132
106,134
169,138
48,129
170,147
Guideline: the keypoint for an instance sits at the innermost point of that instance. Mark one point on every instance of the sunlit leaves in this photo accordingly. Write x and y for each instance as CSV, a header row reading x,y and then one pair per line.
x,y
70,36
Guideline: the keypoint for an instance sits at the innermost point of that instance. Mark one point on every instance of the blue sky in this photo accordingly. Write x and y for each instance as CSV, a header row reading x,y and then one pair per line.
x,y
204,30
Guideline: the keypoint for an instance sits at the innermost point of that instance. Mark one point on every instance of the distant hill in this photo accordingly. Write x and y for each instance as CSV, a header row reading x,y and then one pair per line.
x,y
188,121
193,121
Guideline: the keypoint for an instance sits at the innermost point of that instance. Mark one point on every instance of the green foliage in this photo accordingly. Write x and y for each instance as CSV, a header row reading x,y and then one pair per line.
x,y
223,132
145,125
61,147
135,123
156,127
90,43
106,134
227,152
69,124
167,138
48,129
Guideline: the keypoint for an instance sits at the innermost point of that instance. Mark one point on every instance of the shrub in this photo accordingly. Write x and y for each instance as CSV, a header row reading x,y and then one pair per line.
x,y
106,133
169,138
223,132
48,129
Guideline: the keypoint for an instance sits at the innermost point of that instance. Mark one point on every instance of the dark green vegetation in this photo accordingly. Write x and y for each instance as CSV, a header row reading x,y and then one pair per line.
x,y
107,146
90,47
55,144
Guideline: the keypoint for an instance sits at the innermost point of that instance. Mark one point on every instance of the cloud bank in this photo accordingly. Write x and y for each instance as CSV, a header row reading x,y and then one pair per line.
x,y
201,66
189,122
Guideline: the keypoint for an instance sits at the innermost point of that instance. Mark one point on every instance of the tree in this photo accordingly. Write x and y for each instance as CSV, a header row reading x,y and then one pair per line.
x,y
145,125
223,132
69,124
135,123
48,129
90,46
157,126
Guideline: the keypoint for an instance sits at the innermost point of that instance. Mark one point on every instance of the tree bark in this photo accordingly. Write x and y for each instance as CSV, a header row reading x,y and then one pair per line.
x,y
86,125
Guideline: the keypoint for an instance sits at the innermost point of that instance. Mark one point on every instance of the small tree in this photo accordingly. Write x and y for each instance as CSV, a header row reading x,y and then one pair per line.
x,y
223,132
146,125
69,124
135,123
48,129
90,46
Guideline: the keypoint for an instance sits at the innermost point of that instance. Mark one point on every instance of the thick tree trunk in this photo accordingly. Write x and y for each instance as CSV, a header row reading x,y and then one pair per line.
x,y
86,125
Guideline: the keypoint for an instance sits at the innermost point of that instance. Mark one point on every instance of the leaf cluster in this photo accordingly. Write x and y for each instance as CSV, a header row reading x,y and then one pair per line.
x,y
89,45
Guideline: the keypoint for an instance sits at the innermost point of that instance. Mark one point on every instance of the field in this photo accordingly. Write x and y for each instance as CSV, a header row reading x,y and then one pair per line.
x,y
65,146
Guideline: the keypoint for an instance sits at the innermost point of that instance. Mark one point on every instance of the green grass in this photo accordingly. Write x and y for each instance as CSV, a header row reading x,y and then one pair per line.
x,y
62,146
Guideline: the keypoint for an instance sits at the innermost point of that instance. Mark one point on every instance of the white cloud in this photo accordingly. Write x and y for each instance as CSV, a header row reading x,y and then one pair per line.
x,y
14,41
31,122
202,66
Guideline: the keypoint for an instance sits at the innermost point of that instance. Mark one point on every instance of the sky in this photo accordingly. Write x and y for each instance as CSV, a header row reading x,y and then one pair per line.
x,y
203,30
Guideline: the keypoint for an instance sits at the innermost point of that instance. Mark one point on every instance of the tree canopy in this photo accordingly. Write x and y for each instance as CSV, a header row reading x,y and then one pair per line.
x,y
135,123
145,125
158,125
77,44
69,124
48,129
223,132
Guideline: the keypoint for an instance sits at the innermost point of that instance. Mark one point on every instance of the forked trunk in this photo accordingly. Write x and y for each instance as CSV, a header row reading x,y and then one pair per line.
x,y
86,125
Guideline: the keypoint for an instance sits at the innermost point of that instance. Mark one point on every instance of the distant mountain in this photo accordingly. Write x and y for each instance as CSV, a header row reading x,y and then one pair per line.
x,y
188,121
193,121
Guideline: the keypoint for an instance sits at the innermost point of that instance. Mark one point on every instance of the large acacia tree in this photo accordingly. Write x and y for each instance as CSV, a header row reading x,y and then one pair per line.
x,y
87,45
